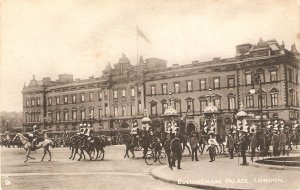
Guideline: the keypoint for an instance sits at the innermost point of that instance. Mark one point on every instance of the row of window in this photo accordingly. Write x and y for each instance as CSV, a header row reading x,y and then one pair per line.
x,y
33,102
261,74
90,97
190,105
189,85
33,117
250,100
64,114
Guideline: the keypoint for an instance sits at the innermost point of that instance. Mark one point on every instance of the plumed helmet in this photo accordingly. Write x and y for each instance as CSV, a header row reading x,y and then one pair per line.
x,y
34,127
80,125
89,125
84,124
275,122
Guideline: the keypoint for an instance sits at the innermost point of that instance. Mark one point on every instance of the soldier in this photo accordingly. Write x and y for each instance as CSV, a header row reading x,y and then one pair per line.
x,y
243,145
212,148
176,151
134,133
231,143
275,142
194,145
87,134
35,135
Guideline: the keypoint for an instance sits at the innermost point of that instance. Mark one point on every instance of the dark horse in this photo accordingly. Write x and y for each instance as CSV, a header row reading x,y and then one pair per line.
x,y
184,139
129,146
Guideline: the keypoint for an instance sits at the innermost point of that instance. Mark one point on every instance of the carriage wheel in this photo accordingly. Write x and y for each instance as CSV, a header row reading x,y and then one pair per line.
x,y
162,158
149,159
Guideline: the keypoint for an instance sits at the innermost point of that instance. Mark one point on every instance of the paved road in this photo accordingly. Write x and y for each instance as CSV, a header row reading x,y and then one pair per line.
x,y
61,173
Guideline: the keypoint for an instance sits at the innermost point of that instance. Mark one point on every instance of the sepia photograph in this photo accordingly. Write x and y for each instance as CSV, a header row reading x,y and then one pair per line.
x,y
149,94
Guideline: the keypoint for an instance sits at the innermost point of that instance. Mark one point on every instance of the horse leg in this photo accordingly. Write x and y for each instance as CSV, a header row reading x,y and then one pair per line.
x,y
183,148
45,151
81,152
132,151
27,154
188,148
71,152
126,152
203,147
49,154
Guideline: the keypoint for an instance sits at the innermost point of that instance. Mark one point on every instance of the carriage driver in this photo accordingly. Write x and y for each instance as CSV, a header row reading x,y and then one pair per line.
x,y
35,134
134,132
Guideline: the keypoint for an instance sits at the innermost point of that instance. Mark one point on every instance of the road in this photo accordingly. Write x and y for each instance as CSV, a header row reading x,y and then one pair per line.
x,y
114,172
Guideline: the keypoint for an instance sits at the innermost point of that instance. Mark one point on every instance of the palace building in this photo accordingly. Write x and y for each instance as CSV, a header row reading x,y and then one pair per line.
x,y
112,101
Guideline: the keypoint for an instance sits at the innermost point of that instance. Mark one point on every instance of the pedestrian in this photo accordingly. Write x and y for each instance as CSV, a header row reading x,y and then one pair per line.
x,y
231,142
194,145
253,144
275,142
243,145
212,147
282,141
167,147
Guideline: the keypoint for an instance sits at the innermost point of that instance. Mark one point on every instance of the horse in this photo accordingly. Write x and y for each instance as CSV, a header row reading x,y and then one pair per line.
x,y
184,139
28,146
129,146
92,144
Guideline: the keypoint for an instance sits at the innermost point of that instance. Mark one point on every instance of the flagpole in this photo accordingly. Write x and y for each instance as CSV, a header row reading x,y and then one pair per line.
x,y
137,45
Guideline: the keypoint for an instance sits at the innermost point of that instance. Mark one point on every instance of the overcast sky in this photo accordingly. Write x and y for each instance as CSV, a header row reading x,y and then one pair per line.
x,y
47,38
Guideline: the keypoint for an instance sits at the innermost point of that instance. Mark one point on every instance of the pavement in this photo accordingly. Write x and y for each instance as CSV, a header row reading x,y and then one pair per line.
x,y
114,172
227,173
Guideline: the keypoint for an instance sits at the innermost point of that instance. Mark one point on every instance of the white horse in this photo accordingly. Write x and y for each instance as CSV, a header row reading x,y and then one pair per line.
x,y
28,146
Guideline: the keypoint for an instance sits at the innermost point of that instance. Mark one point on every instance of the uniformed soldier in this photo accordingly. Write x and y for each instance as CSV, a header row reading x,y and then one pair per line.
x,y
194,146
134,133
35,134
87,134
176,152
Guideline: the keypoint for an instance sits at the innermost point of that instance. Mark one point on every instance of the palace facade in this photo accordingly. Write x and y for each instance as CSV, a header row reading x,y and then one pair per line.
x,y
111,102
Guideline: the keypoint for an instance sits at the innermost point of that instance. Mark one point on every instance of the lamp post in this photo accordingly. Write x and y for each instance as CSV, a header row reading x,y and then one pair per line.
x,y
256,79
209,94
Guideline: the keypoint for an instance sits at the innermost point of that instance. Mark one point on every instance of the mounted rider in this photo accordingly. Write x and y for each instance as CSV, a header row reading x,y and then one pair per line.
x,y
87,134
35,135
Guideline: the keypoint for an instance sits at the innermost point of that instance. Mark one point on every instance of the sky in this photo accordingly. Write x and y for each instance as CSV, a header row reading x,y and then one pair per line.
x,y
46,38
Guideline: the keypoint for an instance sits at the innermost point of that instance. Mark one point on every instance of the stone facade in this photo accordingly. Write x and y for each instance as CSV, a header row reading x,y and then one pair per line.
x,y
111,102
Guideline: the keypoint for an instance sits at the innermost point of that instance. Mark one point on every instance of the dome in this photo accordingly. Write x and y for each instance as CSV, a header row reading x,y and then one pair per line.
x,y
210,108
108,69
33,82
124,59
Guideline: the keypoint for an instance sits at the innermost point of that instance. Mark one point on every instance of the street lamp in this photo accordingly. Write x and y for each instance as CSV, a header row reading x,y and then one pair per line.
x,y
210,94
256,79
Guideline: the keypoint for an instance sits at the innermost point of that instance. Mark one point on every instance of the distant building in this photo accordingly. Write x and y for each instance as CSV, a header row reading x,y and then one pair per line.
x,y
111,102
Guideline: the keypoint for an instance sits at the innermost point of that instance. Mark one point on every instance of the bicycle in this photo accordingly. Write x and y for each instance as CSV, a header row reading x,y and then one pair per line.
x,y
150,158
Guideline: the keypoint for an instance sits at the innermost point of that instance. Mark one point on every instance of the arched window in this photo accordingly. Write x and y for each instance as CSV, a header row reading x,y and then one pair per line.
x,y
261,74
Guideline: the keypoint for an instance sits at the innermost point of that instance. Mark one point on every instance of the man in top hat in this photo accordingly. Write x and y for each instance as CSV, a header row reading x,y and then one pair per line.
x,y
167,147
194,146
231,142
275,142
282,141
243,146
